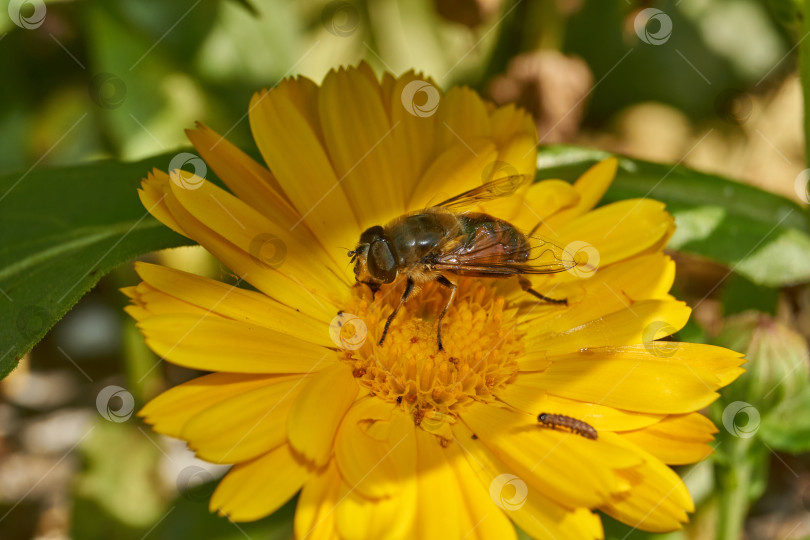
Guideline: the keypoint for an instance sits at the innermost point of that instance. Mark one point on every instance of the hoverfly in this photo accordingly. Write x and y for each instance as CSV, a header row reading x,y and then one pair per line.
x,y
429,244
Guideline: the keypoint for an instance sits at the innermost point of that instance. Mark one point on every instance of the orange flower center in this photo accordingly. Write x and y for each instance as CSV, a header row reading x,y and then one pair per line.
x,y
479,334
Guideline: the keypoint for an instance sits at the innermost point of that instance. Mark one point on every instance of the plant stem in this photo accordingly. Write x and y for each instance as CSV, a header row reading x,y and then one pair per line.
x,y
734,479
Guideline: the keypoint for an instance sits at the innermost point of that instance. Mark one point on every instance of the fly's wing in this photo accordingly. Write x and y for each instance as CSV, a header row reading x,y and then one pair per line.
x,y
488,255
494,189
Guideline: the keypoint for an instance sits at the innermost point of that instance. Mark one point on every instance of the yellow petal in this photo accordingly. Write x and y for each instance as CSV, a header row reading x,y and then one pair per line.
x,y
616,231
266,271
475,143
658,501
257,488
457,169
357,134
129,292
523,445
375,466
181,290
462,116
524,395
222,345
301,94
544,199
137,312
153,198
514,157
414,137
609,290
632,378
484,519
360,518
170,411
628,326
242,225
318,411
245,426
591,186
244,177
510,121
532,510
154,302
290,143
438,496
364,69
254,185
677,439
315,511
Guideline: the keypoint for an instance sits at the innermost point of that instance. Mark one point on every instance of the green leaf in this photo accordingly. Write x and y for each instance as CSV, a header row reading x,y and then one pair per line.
x,y
759,235
789,13
740,294
60,231
126,494
192,519
130,502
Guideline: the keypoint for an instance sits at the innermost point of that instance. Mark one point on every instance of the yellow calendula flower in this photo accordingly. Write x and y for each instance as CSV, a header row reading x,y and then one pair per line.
x,y
403,440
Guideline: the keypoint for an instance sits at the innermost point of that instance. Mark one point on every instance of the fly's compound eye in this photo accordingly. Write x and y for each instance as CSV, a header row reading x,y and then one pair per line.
x,y
381,263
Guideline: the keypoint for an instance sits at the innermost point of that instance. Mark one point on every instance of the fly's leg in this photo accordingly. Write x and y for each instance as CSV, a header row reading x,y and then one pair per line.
x,y
526,285
452,286
406,293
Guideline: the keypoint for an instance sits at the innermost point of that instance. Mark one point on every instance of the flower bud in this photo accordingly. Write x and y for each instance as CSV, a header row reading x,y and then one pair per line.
x,y
777,367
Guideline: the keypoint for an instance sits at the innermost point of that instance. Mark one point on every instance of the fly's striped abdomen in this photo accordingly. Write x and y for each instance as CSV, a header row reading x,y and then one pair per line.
x,y
575,426
504,242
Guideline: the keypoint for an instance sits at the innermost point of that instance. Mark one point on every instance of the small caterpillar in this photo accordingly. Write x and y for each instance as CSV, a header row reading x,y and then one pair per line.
x,y
576,426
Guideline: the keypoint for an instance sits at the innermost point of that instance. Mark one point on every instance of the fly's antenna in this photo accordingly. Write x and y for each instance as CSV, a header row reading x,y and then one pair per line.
x,y
350,253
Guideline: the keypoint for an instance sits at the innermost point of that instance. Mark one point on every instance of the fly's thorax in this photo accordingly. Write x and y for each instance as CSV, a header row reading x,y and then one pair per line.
x,y
414,236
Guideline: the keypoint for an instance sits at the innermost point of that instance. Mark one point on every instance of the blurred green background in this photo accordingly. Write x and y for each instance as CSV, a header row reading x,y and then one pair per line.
x,y
713,85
